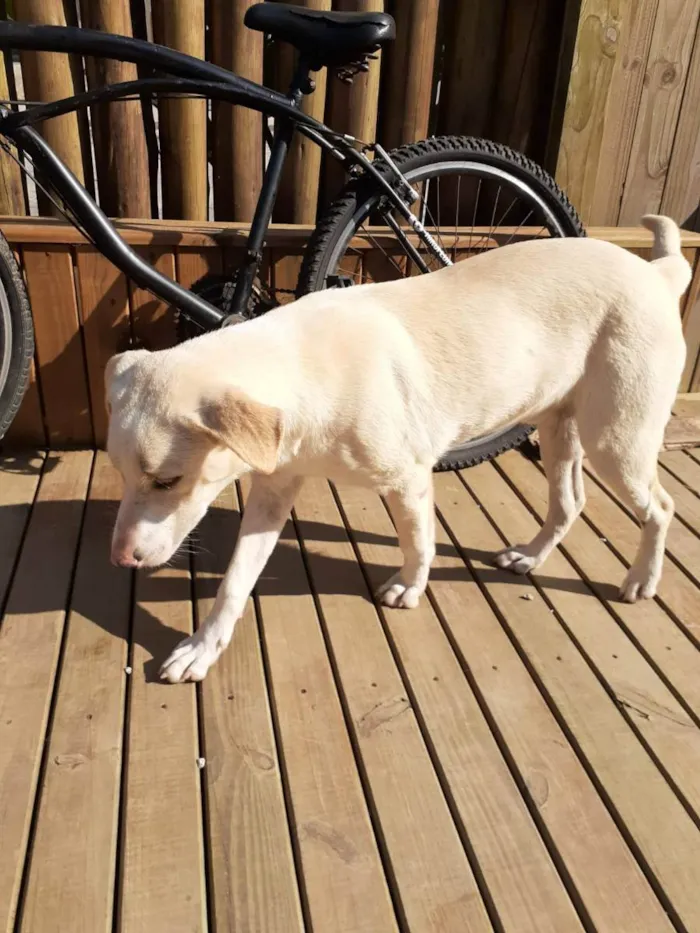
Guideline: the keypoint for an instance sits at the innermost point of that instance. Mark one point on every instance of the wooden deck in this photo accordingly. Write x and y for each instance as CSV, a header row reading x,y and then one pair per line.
x,y
515,755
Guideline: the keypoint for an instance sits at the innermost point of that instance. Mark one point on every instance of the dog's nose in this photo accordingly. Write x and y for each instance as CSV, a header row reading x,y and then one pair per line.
x,y
126,558
138,556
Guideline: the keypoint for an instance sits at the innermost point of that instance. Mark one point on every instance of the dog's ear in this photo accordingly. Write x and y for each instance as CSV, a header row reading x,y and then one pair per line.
x,y
118,367
253,431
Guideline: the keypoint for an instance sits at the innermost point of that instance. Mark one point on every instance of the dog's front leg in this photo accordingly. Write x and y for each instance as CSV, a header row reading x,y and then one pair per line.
x,y
269,504
414,516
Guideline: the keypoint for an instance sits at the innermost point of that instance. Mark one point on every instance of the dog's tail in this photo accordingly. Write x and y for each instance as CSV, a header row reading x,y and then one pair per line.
x,y
666,253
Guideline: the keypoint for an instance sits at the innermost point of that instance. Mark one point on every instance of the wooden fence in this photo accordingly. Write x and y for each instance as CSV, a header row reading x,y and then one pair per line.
x,y
85,310
483,67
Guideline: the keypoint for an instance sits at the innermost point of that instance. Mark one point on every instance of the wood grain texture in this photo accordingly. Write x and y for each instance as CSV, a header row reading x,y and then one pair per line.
x,y
253,880
104,305
49,76
11,188
162,885
153,320
182,123
30,640
657,117
596,857
342,872
612,48
74,855
121,156
20,474
238,132
59,346
480,785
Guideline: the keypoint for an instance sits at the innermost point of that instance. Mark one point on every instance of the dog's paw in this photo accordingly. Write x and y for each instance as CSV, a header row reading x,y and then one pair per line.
x,y
639,584
190,661
517,559
398,595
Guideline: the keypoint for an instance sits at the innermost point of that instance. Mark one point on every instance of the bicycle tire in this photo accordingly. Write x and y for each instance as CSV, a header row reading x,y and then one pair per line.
x,y
16,337
335,222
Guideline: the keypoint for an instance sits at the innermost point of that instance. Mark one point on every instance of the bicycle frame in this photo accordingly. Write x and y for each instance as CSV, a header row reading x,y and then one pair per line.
x,y
188,75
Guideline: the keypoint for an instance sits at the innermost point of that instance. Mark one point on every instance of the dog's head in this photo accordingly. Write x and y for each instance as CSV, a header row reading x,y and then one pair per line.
x,y
177,438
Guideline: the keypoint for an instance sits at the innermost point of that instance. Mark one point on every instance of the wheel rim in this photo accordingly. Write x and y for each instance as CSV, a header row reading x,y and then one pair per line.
x,y
478,170
5,339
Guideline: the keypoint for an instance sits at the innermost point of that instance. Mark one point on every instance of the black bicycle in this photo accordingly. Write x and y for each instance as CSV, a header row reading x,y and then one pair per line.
x,y
418,207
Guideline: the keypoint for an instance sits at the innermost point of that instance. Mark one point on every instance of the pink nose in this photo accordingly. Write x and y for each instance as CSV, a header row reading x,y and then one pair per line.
x,y
126,558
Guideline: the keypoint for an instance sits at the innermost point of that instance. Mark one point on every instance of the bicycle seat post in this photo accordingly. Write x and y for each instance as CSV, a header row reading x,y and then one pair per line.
x,y
301,85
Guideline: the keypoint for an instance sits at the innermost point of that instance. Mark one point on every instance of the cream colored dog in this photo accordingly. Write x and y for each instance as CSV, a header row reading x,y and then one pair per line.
x,y
373,384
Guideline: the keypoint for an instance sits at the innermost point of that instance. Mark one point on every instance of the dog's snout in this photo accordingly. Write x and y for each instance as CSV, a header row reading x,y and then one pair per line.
x,y
138,556
126,557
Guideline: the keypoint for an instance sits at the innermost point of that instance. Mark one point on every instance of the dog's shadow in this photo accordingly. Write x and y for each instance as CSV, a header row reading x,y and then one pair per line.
x,y
154,608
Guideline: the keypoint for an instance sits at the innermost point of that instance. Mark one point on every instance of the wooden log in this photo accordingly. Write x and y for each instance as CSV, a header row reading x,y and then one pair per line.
x,y
352,108
407,89
11,188
238,132
49,76
470,68
610,56
183,123
121,157
298,195
659,110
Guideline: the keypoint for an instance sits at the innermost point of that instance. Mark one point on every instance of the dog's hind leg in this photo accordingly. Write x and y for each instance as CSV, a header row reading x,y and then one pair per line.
x,y
413,512
562,459
631,471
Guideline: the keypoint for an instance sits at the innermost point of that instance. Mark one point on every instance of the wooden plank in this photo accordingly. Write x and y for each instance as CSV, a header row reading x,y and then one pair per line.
x,y
654,817
182,123
352,108
153,320
59,347
104,304
407,90
683,467
526,890
27,428
192,264
30,640
629,679
687,506
11,188
690,381
342,872
646,622
253,881
432,874
657,117
20,477
73,863
285,268
559,791
612,47
48,76
681,195
238,131
162,884
121,156
298,193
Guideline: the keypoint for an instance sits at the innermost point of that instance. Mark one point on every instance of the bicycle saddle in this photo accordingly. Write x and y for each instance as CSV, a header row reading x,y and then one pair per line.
x,y
323,38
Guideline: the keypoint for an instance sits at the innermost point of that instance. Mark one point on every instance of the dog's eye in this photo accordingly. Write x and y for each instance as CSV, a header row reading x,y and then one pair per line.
x,y
166,483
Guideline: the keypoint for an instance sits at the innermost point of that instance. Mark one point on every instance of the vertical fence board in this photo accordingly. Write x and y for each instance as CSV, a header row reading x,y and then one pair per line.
x,y
191,264
690,381
658,114
59,346
49,76
11,190
104,304
121,158
407,86
183,123
352,108
470,68
298,194
681,197
237,147
612,47
152,319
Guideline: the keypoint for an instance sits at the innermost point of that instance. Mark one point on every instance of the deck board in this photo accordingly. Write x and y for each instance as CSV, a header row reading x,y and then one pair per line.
x,y
517,754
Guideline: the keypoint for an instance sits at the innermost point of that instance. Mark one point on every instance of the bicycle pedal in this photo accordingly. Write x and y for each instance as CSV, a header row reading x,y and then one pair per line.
x,y
339,281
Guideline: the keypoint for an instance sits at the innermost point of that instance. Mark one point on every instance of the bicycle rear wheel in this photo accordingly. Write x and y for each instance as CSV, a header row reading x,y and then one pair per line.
x,y
16,337
474,195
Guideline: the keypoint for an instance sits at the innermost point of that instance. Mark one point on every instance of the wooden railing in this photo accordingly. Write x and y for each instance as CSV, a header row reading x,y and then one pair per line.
x,y
85,310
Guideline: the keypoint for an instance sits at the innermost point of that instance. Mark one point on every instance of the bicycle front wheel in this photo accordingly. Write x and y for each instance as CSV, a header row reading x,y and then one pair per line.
x,y
473,195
